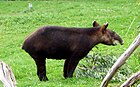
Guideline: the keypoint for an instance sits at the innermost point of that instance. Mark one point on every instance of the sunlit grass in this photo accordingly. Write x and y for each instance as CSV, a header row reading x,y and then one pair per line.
x,y
17,22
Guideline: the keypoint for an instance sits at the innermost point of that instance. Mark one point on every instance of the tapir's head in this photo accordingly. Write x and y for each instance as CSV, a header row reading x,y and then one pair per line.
x,y
108,37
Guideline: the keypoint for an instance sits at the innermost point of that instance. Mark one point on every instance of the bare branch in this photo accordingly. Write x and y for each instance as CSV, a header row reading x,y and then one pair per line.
x,y
121,61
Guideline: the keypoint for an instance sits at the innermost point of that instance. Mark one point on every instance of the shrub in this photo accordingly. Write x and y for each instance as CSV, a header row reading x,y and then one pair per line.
x,y
96,65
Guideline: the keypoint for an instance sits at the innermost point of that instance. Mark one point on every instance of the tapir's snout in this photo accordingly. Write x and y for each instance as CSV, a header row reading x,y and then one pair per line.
x,y
121,42
119,39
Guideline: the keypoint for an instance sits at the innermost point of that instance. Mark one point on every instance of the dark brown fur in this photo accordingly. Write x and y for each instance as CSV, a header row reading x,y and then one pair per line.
x,y
71,44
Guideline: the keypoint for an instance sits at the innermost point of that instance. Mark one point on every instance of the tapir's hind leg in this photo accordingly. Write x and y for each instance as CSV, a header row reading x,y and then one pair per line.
x,y
41,69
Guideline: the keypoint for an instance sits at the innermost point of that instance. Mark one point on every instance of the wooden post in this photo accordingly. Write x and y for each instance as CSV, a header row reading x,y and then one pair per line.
x,y
6,75
131,80
121,60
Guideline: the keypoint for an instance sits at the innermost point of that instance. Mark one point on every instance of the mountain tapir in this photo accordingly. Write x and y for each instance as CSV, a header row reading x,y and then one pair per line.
x,y
69,43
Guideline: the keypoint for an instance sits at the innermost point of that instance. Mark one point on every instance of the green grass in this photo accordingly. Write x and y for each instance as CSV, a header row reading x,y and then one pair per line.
x,y
17,22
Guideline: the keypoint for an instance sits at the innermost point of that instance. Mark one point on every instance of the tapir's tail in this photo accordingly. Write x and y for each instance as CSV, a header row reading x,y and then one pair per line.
x,y
22,47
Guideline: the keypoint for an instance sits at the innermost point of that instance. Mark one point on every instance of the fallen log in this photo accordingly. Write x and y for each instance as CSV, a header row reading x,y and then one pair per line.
x,y
6,75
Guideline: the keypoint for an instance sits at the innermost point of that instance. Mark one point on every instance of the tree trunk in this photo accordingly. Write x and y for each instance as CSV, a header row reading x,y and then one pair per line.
x,y
121,60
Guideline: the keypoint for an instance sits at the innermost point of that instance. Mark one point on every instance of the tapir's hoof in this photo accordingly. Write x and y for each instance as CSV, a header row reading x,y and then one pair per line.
x,y
43,78
68,77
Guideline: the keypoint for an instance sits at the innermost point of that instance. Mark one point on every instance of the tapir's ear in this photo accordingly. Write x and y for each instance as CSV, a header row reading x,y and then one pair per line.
x,y
104,27
95,23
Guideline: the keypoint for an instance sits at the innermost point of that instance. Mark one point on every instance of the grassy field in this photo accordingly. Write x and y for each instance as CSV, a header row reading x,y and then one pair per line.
x,y
17,22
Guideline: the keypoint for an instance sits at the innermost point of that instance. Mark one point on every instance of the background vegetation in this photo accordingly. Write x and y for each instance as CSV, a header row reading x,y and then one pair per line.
x,y
17,22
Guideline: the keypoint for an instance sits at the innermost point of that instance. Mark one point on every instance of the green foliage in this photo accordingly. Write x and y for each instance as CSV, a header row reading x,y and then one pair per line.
x,y
17,22
96,65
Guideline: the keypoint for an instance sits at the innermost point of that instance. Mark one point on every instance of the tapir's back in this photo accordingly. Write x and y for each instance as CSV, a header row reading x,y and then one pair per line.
x,y
52,33
53,41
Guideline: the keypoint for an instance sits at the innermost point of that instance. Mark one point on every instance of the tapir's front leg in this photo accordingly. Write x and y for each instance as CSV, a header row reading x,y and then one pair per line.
x,y
73,61
71,67
41,69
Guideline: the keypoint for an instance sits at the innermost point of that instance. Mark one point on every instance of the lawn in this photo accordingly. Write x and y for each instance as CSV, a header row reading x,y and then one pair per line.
x,y
17,22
